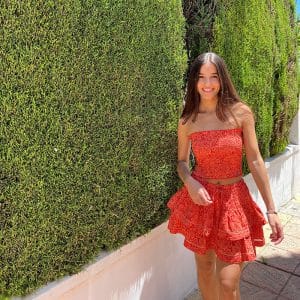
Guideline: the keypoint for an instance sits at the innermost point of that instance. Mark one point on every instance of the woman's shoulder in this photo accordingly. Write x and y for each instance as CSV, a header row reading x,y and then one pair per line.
x,y
184,124
241,108
185,127
242,112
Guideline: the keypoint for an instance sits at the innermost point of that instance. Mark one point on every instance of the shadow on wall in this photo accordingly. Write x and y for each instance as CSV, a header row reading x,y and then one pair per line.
x,y
150,273
135,290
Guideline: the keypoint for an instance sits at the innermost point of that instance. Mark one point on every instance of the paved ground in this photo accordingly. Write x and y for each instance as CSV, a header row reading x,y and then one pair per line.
x,y
276,272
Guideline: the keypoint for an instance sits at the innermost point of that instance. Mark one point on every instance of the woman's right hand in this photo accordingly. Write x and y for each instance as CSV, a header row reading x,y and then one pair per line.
x,y
197,192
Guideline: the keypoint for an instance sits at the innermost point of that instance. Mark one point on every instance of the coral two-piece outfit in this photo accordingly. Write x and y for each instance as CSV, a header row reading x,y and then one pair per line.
x,y
232,224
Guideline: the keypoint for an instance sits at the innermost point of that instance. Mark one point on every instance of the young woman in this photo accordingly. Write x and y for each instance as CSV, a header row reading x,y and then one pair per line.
x,y
221,223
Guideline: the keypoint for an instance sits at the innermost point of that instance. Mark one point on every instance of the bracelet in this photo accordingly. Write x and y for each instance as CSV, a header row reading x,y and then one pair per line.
x,y
271,212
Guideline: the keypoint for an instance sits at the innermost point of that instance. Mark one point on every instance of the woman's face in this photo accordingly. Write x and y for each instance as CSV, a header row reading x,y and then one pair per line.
x,y
208,84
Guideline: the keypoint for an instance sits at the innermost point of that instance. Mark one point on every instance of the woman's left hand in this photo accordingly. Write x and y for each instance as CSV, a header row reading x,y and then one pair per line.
x,y
277,231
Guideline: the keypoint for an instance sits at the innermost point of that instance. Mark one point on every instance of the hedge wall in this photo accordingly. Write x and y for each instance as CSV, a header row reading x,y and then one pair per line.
x,y
199,18
258,41
89,93
285,76
298,53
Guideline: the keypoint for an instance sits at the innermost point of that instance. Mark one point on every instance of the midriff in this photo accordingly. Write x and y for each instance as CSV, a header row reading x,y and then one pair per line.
x,y
223,181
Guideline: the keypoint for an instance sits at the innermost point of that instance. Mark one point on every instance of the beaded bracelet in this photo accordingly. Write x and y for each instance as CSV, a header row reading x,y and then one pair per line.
x,y
271,212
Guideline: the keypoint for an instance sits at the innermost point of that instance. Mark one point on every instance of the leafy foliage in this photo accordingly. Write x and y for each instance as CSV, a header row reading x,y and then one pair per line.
x,y
90,92
260,52
199,16
257,39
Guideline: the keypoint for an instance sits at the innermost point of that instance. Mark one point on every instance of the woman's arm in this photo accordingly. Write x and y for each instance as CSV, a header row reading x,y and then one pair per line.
x,y
196,190
259,173
183,154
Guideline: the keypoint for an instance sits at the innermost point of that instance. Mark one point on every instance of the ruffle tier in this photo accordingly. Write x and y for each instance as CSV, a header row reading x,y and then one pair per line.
x,y
231,225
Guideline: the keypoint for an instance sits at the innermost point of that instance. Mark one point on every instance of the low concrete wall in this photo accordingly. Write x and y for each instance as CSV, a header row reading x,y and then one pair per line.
x,y
281,169
295,140
156,266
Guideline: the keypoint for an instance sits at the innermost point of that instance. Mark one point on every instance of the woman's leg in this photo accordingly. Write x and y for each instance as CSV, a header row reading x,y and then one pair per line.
x,y
229,280
206,272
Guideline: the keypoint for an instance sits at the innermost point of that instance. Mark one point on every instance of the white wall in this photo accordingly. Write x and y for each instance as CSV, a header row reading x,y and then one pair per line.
x,y
281,170
156,266
295,140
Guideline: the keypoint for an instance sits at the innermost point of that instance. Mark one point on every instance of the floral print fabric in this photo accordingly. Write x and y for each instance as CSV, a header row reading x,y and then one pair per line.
x,y
218,153
232,224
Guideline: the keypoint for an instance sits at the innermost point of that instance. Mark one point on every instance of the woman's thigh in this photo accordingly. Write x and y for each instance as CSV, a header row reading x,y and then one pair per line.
x,y
206,262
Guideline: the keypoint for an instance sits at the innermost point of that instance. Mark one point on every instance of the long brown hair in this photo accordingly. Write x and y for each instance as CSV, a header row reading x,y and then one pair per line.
x,y
226,96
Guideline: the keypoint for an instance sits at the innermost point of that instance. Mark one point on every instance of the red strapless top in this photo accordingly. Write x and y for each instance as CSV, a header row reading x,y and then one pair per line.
x,y
218,153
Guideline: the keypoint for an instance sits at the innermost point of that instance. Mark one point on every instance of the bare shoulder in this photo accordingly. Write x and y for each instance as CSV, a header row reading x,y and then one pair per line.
x,y
243,113
184,126
241,108
182,129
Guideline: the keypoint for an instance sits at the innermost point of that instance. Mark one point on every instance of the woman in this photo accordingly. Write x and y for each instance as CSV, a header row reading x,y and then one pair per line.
x,y
221,223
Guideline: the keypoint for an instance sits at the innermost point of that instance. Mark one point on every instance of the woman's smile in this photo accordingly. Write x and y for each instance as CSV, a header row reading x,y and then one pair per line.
x,y
208,85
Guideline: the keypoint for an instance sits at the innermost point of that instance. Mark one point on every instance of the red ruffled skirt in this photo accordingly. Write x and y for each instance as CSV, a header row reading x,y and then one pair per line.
x,y
231,226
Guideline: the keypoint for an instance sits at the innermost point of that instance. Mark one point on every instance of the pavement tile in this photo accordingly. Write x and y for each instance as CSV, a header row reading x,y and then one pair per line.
x,y
292,289
297,270
290,243
279,258
259,250
284,218
266,277
292,229
291,208
252,292
267,232
195,295
297,198
295,220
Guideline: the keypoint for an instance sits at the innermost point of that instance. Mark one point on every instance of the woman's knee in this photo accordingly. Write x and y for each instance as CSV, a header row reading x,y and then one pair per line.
x,y
228,277
228,286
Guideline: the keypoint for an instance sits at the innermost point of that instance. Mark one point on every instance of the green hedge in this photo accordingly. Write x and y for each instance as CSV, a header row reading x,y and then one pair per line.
x,y
298,53
258,41
90,96
90,92
285,75
199,16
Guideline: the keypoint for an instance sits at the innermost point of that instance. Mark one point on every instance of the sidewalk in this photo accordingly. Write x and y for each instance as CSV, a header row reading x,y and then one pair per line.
x,y
276,272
